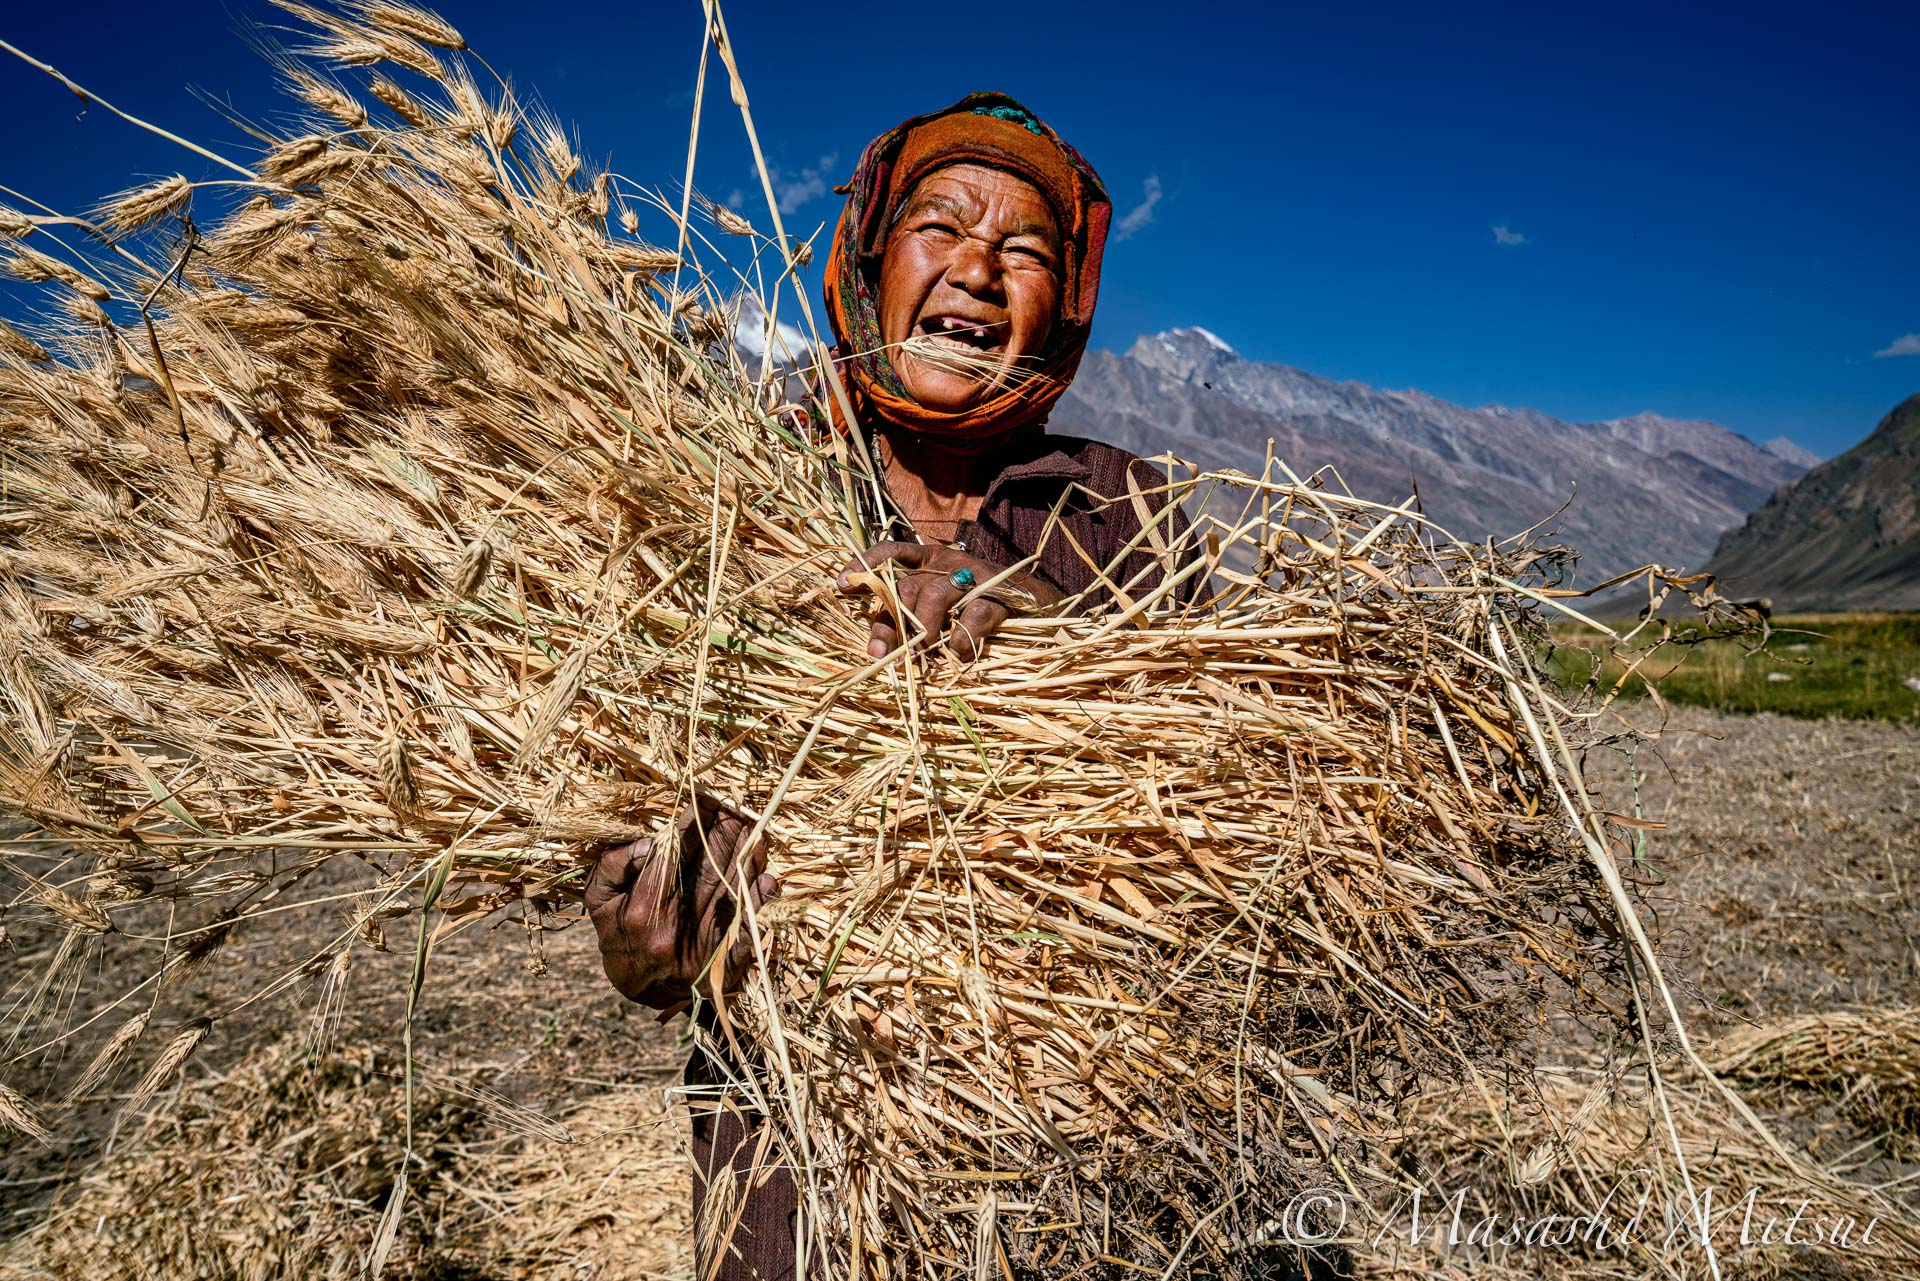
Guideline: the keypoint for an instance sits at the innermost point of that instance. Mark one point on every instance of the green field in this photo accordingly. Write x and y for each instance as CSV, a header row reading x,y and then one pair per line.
x,y
1858,666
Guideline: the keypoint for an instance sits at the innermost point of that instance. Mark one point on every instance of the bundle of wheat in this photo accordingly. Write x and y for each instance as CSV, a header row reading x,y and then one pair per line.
x,y
302,1196
1617,1172
424,517
284,1165
1868,1058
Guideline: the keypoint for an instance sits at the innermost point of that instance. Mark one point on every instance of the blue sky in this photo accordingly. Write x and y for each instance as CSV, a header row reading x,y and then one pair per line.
x,y
1706,211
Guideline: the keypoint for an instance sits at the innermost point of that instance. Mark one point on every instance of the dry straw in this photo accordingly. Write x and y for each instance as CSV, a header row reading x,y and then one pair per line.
x,y
1606,1199
1868,1060
1087,951
282,1167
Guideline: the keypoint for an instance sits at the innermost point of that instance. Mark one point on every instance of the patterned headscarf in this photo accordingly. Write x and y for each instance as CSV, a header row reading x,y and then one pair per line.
x,y
987,129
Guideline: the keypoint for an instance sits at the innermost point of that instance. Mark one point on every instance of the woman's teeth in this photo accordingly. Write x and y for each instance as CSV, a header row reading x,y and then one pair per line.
x,y
962,333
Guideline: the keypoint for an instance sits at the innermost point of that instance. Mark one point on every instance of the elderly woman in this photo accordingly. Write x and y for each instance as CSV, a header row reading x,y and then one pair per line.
x,y
960,288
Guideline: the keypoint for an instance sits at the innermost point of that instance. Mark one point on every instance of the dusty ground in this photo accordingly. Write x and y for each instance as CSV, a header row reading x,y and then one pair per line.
x,y
1791,861
1786,881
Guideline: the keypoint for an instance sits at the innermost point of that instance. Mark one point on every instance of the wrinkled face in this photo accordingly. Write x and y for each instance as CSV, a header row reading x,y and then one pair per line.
x,y
972,274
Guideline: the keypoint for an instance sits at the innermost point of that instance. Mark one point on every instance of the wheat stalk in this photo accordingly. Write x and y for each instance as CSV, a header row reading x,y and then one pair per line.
x,y
109,1056
17,1114
135,209
172,1057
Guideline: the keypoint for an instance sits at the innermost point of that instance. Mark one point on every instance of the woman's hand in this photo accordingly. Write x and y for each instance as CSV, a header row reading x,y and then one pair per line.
x,y
928,594
662,915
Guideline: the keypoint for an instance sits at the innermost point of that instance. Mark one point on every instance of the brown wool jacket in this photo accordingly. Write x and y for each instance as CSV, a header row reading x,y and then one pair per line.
x,y
1099,517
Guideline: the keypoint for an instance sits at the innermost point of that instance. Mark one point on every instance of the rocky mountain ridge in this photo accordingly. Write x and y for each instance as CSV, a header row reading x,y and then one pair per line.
x,y
1846,536
1624,492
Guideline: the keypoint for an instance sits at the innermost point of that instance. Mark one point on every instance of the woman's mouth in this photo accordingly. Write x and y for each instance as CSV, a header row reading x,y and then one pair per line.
x,y
964,334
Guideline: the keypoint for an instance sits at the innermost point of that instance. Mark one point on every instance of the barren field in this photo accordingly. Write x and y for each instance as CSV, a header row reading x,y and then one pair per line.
x,y
1789,860
546,1144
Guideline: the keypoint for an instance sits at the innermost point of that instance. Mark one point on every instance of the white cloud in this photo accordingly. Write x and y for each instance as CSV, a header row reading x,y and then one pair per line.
x,y
1141,214
1904,345
1505,235
795,190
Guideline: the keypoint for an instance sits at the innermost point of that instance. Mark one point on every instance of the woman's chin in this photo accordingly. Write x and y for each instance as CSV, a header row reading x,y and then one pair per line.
x,y
943,392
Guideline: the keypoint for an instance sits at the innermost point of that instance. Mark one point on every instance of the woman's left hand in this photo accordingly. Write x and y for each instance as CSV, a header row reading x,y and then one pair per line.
x,y
928,593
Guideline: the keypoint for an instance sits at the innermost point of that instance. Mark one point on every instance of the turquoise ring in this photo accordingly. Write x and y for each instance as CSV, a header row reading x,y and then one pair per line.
x,y
962,578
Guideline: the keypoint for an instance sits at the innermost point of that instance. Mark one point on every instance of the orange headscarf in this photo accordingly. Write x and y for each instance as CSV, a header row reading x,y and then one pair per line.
x,y
982,128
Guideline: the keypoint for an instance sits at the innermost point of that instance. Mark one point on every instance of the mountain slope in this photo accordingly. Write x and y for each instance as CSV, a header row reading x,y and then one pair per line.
x,y
1844,536
1644,488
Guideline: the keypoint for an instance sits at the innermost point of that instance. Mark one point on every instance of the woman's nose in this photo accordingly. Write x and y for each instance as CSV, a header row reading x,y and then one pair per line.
x,y
972,266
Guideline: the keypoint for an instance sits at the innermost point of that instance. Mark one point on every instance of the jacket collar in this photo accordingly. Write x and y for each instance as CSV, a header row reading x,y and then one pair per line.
x,y
1037,456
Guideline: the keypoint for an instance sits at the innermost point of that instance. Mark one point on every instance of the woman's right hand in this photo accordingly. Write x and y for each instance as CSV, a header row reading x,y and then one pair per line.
x,y
661,915
928,594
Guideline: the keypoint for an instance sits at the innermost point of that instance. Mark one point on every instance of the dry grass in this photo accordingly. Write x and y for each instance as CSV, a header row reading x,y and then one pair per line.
x,y
285,1165
430,523
1869,1059
1611,1196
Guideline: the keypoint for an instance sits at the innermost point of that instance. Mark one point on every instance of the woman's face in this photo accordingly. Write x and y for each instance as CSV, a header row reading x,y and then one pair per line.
x,y
972,266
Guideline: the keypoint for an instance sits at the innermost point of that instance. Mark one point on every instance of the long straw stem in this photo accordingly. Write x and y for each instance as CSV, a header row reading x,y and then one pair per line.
x,y
87,95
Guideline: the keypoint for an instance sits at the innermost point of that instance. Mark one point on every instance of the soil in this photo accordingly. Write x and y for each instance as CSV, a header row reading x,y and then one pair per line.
x,y
1789,869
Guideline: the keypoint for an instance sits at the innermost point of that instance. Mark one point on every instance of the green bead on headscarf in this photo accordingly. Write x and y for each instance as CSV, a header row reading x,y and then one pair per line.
x,y
1012,115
